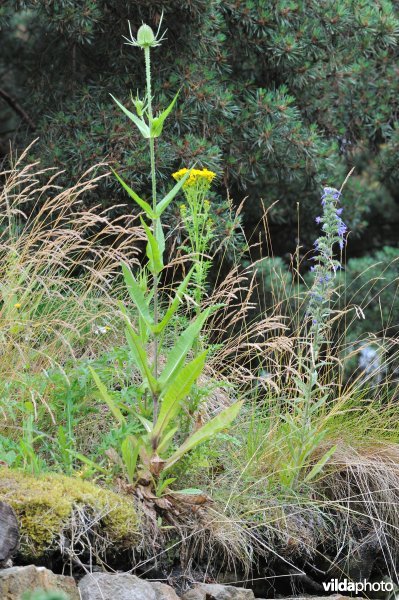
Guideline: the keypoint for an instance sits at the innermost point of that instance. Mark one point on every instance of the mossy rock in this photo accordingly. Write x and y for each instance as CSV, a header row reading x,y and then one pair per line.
x,y
54,508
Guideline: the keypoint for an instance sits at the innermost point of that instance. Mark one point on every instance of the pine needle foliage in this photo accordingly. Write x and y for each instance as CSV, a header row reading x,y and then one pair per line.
x,y
287,95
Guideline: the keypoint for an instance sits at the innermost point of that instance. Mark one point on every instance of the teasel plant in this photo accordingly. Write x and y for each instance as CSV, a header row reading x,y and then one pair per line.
x,y
148,457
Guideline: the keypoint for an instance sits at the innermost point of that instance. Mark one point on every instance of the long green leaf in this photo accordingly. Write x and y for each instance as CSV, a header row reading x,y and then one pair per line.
x,y
166,440
87,461
159,236
320,464
177,390
145,422
145,451
164,203
206,432
157,122
182,347
137,295
140,357
142,203
188,492
153,251
140,124
174,305
107,398
130,449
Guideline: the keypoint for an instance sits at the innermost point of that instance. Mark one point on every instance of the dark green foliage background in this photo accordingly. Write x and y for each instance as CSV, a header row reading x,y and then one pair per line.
x,y
278,97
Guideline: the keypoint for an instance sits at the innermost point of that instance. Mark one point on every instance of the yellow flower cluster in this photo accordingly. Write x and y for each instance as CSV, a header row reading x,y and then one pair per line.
x,y
197,176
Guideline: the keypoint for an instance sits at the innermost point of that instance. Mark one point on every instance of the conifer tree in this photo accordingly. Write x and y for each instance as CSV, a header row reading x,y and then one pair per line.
x,y
280,98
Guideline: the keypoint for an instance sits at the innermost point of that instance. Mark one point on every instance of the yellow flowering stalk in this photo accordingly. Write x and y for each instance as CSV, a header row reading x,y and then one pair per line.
x,y
199,227
198,178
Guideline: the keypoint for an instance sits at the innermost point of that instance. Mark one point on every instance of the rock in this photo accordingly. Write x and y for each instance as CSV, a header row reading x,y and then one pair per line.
x,y
9,534
217,591
123,586
14,582
108,586
163,591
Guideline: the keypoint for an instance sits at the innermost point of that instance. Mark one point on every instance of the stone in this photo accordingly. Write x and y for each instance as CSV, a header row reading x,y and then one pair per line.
x,y
163,591
108,586
15,581
217,591
9,534
123,586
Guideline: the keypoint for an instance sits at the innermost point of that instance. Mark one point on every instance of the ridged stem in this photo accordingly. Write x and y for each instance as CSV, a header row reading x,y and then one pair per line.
x,y
155,221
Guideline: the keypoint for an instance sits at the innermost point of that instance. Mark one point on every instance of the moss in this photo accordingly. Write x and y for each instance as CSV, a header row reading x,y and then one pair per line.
x,y
44,506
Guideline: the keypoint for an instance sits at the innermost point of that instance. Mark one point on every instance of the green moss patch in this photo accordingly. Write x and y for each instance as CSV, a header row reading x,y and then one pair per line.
x,y
45,506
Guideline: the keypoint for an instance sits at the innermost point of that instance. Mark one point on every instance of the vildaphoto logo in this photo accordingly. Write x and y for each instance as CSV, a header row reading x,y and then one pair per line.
x,y
335,585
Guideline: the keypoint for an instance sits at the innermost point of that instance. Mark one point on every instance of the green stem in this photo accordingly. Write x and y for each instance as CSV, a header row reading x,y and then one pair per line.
x,y
155,221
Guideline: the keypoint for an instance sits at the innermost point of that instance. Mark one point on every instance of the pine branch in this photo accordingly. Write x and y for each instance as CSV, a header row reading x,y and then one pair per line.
x,y
17,108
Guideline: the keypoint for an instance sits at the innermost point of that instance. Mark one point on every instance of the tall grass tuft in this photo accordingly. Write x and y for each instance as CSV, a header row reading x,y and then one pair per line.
x,y
58,267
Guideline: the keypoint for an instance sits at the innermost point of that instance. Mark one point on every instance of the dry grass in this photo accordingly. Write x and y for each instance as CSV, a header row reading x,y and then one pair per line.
x,y
361,488
243,338
58,267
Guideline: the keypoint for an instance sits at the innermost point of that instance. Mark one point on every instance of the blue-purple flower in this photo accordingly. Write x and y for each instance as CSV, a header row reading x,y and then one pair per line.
x,y
325,265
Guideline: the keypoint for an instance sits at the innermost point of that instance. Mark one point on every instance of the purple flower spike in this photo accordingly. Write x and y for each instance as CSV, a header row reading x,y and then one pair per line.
x,y
329,191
